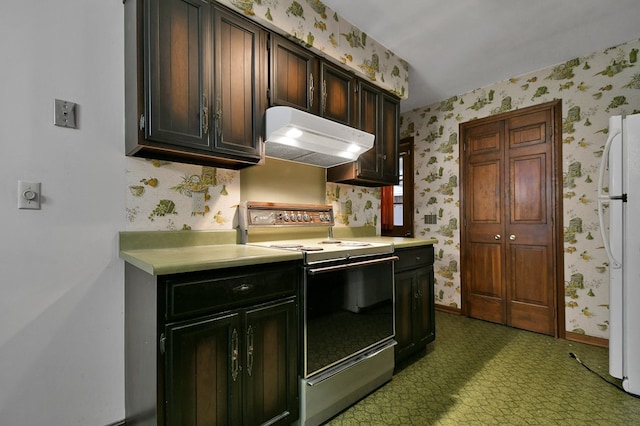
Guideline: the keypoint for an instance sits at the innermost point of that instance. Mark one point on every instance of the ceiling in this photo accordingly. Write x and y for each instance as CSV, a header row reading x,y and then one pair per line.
x,y
455,46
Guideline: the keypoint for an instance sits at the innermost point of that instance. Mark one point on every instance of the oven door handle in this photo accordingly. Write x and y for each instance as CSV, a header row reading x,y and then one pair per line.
x,y
316,271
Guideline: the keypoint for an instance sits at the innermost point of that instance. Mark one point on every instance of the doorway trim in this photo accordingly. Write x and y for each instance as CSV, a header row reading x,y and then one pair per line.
x,y
555,108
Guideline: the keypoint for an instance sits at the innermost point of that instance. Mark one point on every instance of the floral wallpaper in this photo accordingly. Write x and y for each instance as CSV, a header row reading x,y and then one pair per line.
x,y
174,196
355,206
316,26
166,196
592,88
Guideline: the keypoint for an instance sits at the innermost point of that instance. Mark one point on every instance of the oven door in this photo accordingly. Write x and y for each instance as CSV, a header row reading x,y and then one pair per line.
x,y
348,310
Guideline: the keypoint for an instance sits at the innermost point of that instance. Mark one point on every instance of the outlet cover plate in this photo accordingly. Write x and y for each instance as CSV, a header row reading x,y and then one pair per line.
x,y
65,114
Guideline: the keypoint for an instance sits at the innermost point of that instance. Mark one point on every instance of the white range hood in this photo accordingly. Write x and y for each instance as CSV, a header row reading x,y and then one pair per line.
x,y
298,136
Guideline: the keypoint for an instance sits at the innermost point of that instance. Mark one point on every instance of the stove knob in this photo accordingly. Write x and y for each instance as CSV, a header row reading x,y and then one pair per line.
x,y
306,217
286,217
299,217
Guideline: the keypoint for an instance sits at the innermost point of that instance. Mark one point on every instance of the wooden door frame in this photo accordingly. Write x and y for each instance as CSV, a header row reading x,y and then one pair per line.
x,y
407,229
555,108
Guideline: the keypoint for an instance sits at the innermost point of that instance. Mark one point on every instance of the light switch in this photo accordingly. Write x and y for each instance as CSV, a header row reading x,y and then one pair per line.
x,y
65,114
29,195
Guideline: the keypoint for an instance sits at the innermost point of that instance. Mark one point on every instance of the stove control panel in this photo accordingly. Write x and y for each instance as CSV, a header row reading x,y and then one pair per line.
x,y
270,214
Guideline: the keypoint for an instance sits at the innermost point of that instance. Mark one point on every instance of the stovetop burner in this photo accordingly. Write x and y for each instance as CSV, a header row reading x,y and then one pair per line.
x,y
298,247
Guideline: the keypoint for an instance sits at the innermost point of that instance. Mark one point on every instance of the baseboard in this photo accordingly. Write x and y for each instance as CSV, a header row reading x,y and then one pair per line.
x,y
448,309
574,337
589,340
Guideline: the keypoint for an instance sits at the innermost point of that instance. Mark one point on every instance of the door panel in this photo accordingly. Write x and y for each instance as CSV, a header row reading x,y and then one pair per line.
x,y
486,182
531,304
509,255
178,81
528,190
270,363
485,298
238,109
202,385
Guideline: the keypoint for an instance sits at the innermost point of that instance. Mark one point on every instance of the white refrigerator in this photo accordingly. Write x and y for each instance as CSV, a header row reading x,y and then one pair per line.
x,y
620,227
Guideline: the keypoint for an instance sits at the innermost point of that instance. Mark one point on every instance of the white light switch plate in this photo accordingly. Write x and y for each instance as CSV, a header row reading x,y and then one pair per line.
x,y
29,195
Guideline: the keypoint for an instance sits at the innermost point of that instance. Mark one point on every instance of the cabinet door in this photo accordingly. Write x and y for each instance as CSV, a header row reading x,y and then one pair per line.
x,y
271,364
389,136
424,319
369,102
337,94
240,86
177,82
203,372
293,76
406,303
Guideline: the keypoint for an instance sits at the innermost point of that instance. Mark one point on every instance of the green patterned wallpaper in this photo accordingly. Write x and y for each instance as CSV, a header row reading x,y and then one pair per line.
x,y
173,196
592,88
314,25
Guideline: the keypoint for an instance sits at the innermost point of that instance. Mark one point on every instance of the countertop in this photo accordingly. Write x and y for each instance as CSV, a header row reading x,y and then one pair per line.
x,y
169,252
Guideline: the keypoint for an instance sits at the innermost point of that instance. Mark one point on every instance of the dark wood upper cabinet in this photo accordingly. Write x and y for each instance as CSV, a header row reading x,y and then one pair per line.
x,y
300,79
294,76
377,113
196,82
337,94
199,78
240,63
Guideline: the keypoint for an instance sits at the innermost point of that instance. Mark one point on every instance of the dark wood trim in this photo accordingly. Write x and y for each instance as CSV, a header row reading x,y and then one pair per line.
x,y
589,340
408,227
448,309
556,111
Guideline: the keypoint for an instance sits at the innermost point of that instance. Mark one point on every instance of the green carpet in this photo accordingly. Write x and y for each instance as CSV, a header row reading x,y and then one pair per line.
x,y
479,373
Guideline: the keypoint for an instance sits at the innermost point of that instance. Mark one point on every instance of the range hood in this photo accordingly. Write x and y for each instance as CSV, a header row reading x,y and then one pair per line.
x,y
298,136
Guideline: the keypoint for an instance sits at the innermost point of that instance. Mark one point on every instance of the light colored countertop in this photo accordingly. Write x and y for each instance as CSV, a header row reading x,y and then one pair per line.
x,y
199,258
170,252
399,242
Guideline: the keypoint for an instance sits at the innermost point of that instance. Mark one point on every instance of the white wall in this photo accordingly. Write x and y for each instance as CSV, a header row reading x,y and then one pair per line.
x,y
61,282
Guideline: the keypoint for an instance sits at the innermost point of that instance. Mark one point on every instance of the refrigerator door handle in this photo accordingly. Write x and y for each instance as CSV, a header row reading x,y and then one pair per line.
x,y
603,164
615,264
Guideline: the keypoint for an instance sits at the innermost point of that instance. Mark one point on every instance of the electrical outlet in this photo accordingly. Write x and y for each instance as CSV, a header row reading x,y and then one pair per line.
x,y
29,195
65,114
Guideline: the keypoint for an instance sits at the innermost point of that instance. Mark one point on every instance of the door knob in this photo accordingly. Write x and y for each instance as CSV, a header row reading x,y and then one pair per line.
x,y
512,237
497,236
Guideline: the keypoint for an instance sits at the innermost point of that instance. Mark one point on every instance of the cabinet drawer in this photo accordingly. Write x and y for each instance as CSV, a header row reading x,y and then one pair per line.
x,y
194,294
414,257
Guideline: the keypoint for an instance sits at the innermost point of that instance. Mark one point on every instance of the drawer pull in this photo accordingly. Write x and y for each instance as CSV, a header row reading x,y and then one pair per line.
x,y
242,288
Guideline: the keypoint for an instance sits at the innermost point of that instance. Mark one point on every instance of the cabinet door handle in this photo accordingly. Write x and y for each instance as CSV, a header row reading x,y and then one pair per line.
x,y
324,96
497,237
205,114
311,89
218,118
235,362
250,350
512,237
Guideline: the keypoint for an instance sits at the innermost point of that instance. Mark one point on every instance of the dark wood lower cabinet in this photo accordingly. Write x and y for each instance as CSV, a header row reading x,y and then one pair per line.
x,y
415,309
212,348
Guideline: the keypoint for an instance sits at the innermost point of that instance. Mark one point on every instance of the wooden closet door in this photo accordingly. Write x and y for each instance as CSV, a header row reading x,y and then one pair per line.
x,y
512,218
484,220
529,225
